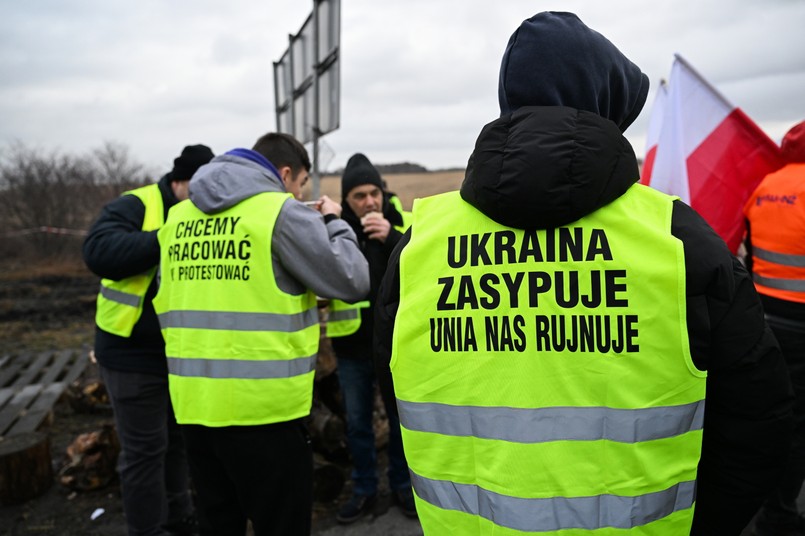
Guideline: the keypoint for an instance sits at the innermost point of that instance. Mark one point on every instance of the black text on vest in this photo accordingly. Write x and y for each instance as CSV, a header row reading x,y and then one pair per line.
x,y
574,280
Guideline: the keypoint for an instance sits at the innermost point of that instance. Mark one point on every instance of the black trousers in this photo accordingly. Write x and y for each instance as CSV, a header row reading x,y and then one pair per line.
x,y
782,502
262,473
152,464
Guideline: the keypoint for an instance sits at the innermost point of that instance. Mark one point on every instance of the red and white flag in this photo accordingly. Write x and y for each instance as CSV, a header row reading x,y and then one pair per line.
x,y
653,133
707,151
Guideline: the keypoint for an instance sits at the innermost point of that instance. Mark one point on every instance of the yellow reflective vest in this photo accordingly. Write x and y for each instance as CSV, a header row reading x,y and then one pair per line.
x,y
543,378
240,350
120,303
344,318
406,216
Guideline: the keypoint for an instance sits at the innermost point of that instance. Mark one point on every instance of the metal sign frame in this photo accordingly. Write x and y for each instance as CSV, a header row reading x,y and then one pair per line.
x,y
307,80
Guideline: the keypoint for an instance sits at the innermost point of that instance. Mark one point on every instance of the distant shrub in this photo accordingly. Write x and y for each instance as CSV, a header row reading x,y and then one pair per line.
x,y
392,169
47,199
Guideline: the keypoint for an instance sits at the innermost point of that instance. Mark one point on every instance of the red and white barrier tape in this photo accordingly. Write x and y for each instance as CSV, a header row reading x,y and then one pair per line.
x,y
46,229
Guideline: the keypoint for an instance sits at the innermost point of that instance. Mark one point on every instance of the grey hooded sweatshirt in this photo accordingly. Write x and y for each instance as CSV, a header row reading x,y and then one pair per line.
x,y
307,253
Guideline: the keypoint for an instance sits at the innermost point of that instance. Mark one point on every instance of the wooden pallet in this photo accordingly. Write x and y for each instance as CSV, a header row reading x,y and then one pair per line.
x,y
30,384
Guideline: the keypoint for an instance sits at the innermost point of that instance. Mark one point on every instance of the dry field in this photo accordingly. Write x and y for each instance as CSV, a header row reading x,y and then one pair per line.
x,y
407,186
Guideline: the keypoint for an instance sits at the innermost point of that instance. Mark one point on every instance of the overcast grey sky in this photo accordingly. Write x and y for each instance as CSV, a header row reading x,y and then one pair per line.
x,y
418,77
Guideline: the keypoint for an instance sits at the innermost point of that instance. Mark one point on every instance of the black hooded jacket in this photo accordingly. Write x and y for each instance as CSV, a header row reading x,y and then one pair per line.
x,y
543,167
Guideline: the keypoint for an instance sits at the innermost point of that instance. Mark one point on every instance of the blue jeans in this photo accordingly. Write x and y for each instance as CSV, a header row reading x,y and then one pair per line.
x,y
357,379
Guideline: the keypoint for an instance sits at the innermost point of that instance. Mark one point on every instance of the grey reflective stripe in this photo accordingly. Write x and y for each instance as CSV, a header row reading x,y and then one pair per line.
x,y
797,285
343,314
556,513
240,321
120,297
797,261
538,425
240,368
788,324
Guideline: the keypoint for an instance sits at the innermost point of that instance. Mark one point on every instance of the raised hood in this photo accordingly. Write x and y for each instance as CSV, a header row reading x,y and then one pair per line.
x,y
544,167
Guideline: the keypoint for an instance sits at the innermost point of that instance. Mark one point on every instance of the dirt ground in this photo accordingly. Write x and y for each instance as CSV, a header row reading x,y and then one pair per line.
x,y
64,512
44,308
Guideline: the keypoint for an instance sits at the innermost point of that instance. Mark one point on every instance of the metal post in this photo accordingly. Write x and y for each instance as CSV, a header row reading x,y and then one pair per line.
x,y
276,95
292,93
316,180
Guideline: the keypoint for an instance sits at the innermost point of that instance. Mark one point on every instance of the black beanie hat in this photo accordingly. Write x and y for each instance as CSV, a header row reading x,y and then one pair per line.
x,y
554,59
359,171
192,158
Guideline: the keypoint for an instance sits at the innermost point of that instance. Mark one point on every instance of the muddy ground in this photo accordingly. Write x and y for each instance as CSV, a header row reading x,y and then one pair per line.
x,y
52,307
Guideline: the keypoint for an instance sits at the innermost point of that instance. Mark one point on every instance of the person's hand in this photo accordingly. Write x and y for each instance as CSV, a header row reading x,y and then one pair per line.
x,y
325,205
376,226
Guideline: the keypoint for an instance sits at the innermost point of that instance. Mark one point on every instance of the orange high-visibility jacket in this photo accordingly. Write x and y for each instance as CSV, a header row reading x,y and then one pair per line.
x,y
776,214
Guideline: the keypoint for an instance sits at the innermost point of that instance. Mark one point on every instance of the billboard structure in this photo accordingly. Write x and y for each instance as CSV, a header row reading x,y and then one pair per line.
x,y
307,80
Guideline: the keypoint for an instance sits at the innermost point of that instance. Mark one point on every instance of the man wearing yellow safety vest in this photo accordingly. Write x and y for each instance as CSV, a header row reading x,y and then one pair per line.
x,y
554,330
775,245
378,226
122,248
242,263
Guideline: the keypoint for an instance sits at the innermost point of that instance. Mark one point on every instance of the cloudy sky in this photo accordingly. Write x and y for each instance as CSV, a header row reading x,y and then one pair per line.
x,y
418,77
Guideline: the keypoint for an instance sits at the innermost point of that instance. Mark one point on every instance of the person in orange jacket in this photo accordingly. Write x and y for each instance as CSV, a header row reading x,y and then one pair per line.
x,y
775,245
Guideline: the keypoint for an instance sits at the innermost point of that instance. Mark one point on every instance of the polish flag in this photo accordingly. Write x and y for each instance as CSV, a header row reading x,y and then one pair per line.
x,y
707,152
653,134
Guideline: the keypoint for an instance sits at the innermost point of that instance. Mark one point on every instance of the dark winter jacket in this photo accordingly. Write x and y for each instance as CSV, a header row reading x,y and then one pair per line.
x,y
117,248
543,167
377,253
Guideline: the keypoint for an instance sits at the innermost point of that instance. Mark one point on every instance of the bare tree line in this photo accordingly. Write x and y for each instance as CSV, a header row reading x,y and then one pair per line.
x,y
47,198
